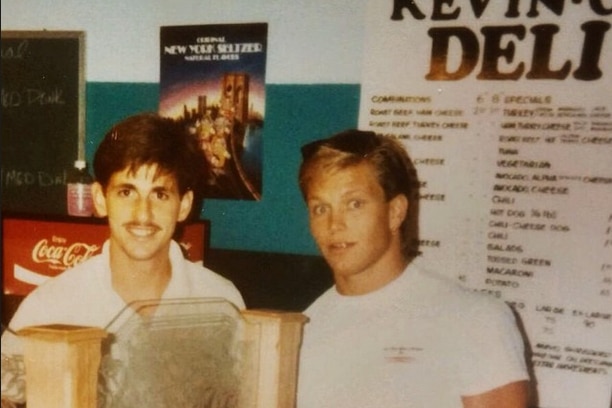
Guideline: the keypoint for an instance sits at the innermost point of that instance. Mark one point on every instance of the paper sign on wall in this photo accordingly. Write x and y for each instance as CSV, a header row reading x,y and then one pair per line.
x,y
506,111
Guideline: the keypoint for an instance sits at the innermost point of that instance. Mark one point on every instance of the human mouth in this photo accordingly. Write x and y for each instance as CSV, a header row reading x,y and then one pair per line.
x,y
339,246
141,231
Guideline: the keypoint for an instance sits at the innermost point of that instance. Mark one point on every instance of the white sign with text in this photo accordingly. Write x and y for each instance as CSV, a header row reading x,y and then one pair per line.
x,y
506,111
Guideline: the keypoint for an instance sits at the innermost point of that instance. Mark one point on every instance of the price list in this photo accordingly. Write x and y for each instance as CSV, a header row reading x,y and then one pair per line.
x,y
516,201
508,120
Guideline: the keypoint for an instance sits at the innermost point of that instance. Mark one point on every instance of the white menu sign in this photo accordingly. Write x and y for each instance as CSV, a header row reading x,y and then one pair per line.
x,y
506,111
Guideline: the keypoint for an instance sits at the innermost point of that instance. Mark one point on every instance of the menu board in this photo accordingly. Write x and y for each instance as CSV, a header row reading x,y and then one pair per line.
x,y
506,110
43,117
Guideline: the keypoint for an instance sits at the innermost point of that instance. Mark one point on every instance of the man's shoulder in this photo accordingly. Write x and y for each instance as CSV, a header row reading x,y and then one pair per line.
x,y
198,272
322,303
423,290
58,296
197,280
83,271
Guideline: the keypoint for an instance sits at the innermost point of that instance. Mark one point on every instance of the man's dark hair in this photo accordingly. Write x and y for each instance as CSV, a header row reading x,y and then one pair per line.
x,y
150,139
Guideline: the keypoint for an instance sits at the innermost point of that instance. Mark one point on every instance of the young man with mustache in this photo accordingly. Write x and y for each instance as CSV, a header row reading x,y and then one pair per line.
x,y
148,173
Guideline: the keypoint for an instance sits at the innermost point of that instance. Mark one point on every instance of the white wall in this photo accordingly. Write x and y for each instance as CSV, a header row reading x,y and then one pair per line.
x,y
310,41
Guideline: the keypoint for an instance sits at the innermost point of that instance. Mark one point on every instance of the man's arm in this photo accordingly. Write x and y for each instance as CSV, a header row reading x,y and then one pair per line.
x,y
512,395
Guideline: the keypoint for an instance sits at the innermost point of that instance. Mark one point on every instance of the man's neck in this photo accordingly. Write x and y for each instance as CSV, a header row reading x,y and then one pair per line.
x,y
377,276
140,280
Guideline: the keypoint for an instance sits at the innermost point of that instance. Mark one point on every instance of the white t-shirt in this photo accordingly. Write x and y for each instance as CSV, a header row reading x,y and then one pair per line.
x,y
84,295
421,341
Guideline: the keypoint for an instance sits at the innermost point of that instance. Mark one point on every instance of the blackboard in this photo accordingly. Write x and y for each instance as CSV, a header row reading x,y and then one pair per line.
x,y
42,117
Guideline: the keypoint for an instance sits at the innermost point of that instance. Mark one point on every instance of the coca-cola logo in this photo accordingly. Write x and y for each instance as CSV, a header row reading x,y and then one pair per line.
x,y
61,256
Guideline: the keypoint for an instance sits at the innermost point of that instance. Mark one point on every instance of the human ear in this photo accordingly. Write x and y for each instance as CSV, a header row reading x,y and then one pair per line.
x,y
99,199
398,208
185,205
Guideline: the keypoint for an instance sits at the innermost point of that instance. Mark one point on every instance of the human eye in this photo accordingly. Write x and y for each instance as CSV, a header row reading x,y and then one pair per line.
x,y
355,204
161,195
124,192
317,209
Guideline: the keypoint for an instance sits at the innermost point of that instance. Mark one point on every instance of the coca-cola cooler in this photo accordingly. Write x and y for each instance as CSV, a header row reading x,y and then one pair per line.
x,y
35,248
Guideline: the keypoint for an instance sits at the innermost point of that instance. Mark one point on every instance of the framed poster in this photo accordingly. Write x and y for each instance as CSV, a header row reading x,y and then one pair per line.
x,y
212,80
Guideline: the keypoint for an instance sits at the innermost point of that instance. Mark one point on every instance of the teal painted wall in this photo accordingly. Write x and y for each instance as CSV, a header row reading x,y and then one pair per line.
x,y
295,114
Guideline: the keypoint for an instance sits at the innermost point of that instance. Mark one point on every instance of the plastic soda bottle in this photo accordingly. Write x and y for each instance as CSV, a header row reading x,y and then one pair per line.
x,y
78,191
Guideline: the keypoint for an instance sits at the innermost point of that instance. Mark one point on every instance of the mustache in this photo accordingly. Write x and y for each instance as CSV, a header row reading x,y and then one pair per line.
x,y
136,224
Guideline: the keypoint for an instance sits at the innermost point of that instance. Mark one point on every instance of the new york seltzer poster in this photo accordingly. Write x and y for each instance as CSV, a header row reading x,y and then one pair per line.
x,y
506,110
212,79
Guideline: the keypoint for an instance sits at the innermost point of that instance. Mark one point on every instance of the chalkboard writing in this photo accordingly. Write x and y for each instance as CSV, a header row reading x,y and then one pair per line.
x,y
42,117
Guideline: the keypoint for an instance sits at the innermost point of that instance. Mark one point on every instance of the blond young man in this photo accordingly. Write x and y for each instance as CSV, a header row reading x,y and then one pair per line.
x,y
389,333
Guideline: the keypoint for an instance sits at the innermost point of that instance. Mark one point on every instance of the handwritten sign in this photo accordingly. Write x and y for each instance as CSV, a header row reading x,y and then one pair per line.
x,y
43,115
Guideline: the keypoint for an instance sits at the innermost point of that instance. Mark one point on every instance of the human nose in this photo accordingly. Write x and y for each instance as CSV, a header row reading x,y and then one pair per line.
x,y
337,220
142,210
